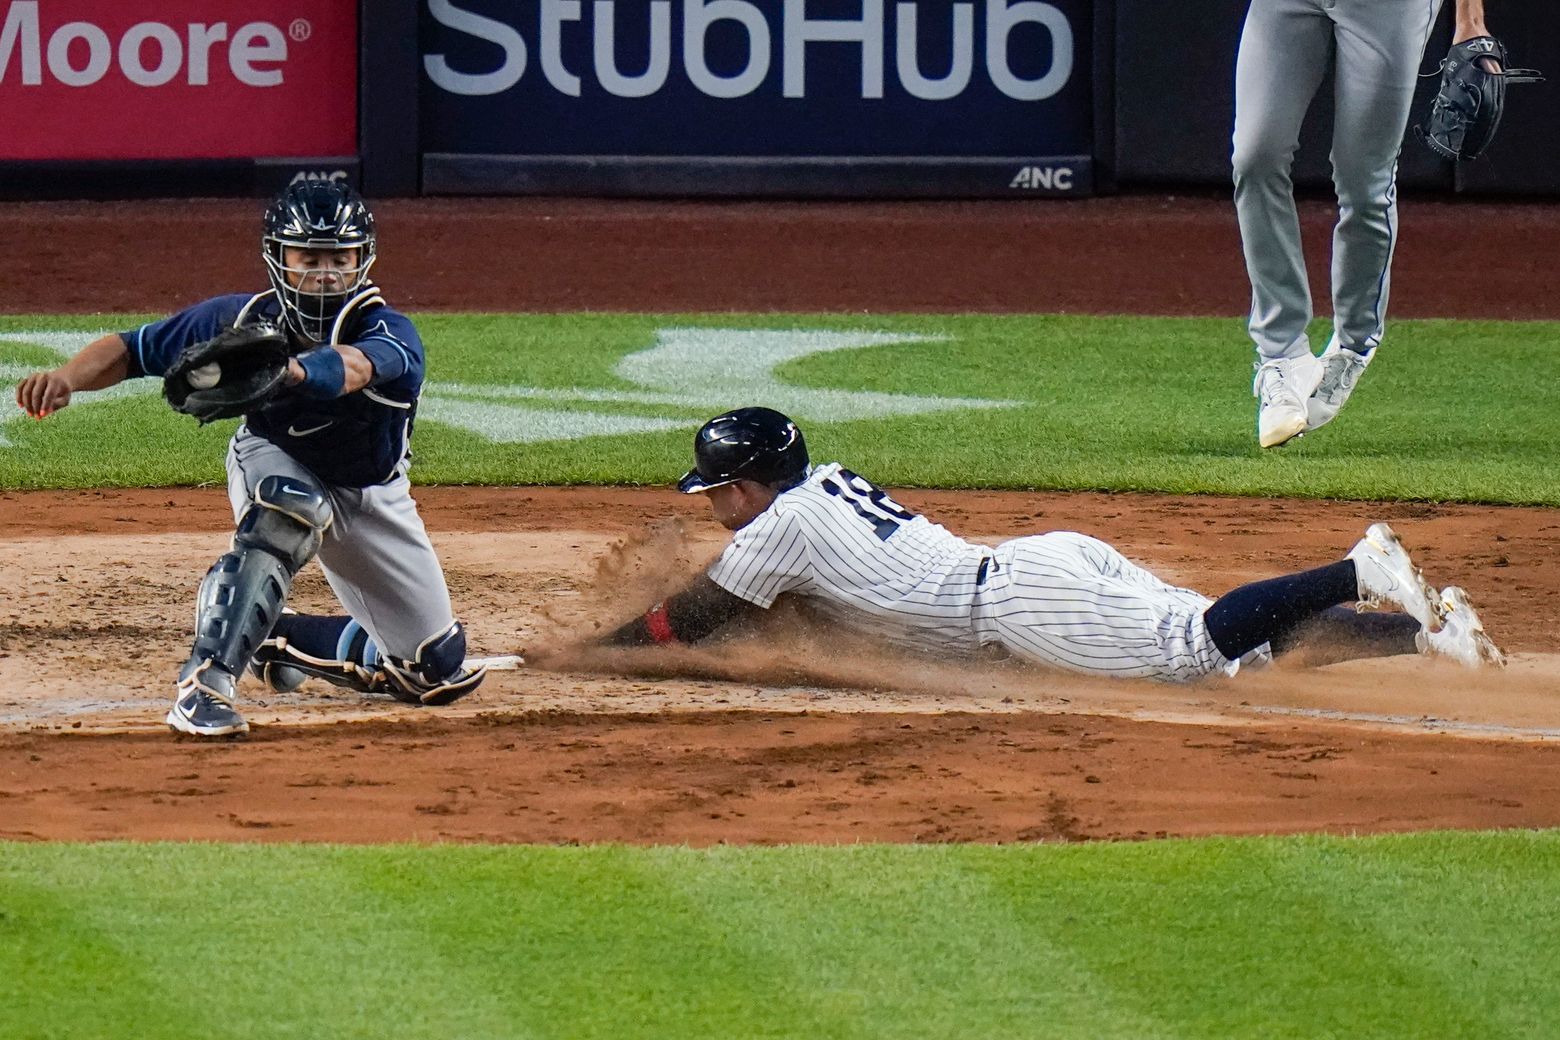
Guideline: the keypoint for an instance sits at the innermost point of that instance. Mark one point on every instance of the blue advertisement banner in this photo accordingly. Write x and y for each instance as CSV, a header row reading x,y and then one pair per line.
x,y
759,79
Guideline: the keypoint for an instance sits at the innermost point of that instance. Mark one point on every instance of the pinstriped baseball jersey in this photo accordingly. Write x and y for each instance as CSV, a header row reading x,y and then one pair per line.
x,y
861,558
1061,599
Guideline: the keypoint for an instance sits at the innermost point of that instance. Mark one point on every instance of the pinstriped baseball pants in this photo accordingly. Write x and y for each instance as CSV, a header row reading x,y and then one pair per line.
x,y
1073,602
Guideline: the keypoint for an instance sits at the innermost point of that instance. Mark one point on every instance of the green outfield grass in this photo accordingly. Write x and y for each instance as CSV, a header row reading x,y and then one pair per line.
x,y
1432,935
1451,410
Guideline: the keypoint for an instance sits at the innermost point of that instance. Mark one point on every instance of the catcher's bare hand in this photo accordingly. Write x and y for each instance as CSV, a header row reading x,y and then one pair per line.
x,y
43,393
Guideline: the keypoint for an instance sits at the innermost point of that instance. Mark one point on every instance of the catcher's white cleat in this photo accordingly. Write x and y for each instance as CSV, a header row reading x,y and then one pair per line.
x,y
1386,575
1341,370
1462,636
1282,386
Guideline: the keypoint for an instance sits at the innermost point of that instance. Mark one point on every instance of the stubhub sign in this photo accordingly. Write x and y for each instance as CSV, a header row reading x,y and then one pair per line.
x,y
758,78
760,45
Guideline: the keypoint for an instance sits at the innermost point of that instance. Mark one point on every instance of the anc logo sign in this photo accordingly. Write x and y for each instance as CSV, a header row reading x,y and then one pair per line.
x,y
698,368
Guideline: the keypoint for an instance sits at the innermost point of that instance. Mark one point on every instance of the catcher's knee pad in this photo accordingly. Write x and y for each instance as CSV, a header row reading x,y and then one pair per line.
x,y
438,674
288,519
242,595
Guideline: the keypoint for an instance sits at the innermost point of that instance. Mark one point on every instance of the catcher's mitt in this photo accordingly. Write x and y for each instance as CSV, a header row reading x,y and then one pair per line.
x,y
234,372
1467,109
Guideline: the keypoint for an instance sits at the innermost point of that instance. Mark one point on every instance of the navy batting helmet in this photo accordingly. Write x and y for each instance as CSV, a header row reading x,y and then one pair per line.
x,y
757,444
317,215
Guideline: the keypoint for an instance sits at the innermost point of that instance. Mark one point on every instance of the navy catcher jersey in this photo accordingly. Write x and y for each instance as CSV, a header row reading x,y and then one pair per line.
x,y
357,440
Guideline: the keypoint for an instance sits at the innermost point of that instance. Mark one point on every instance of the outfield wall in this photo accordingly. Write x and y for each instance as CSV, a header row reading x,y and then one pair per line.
x,y
799,98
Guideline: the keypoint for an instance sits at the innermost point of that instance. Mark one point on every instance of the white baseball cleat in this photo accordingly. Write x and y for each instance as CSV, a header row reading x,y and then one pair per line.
x,y
1387,576
1282,387
1341,370
1462,636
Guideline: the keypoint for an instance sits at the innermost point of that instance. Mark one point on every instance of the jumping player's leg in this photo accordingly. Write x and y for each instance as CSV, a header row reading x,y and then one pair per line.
x,y
1380,45
1283,57
1284,47
383,568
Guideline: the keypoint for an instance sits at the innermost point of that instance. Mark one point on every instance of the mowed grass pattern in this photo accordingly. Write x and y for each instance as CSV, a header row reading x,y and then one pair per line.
x,y
1450,410
1435,935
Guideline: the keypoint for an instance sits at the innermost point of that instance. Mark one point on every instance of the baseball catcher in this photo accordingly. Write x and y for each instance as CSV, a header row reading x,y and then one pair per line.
x,y
327,377
1466,113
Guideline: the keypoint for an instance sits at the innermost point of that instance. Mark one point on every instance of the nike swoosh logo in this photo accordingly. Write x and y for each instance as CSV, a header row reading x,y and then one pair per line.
x,y
293,431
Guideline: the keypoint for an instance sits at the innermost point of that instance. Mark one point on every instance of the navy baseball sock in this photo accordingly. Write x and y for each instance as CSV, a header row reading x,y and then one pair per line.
x,y
327,638
1344,634
1268,611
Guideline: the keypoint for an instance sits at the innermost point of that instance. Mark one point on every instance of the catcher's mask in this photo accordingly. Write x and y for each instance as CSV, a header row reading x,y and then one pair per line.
x,y
317,215
757,444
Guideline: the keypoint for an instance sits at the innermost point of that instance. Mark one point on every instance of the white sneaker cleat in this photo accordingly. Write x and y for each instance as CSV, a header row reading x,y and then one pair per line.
x,y
1387,576
1341,370
1462,636
1282,387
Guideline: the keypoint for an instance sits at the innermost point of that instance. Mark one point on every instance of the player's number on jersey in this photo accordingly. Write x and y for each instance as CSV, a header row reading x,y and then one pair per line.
x,y
870,502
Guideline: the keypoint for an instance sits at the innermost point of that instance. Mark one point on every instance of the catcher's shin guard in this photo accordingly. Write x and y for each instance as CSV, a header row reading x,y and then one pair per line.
x,y
438,674
242,595
336,649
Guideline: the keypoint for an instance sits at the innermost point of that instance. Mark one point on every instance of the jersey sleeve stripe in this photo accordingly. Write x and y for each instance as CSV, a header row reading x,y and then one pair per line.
x,y
406,355
140,358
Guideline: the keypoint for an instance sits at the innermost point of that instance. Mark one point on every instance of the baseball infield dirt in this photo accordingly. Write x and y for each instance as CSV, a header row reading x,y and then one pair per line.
x,y
770,740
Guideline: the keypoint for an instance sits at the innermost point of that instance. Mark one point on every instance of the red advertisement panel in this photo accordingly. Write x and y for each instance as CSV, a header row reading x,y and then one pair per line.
x,y
177,79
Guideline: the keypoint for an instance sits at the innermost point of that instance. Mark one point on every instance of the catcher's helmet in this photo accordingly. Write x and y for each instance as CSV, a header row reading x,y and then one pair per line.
x,y
317,215
757,444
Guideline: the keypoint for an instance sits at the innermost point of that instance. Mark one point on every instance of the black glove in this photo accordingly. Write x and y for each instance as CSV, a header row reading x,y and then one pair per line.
x,y
1467,109
234,372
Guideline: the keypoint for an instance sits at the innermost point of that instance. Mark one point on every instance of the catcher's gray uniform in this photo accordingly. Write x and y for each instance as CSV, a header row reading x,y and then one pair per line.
x,y
376,553
1284,51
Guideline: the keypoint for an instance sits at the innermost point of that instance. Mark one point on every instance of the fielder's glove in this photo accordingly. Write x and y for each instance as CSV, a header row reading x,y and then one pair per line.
x,y
1467,109
234,372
